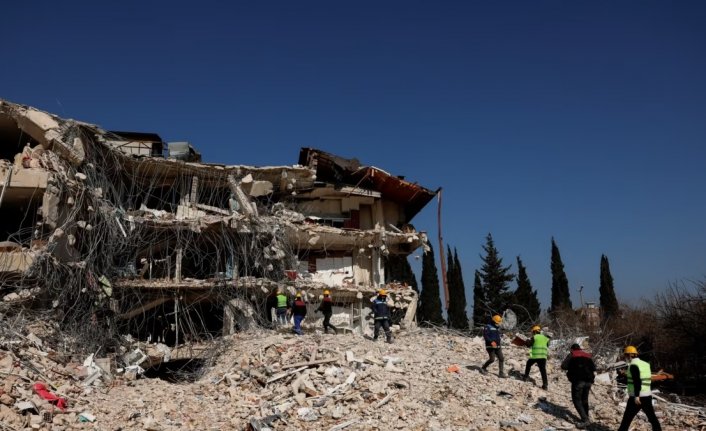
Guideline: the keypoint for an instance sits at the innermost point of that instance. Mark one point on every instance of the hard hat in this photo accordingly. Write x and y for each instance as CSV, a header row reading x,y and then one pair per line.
x,y
382,292
326,292
298,295
630,350
536,328
497,318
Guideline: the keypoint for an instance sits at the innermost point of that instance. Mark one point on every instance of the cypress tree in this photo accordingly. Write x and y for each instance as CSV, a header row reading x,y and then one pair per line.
x,y
480,316
429,310
561,298
397,268
458,319
495,278
524,295
609,303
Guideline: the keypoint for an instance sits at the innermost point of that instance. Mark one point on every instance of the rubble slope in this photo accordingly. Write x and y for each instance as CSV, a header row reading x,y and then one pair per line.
x,y
425,380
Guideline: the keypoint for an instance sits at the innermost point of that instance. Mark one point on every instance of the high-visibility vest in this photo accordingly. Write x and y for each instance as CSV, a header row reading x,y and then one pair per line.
x,y
645,378
281,301
539,347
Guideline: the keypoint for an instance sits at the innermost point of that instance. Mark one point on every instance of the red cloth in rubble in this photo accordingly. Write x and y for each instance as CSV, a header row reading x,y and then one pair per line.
x,y
42,391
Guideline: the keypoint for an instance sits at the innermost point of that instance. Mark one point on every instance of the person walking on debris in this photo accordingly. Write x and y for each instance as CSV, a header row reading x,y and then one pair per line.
x,y
326,307
281,307
639,380
299,313
381,313
580,370
492,337
539,347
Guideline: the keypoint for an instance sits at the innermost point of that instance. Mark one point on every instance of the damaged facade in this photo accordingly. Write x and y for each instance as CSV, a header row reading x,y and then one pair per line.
x,y
122,234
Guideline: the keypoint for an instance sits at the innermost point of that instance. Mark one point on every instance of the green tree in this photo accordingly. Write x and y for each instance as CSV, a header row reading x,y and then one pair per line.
x,y
525,296
495,278
397,268
457,317
609,303
561,298
480,316
429,310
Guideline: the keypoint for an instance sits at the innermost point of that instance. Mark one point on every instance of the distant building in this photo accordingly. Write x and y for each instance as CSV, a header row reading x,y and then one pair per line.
x,y
591,315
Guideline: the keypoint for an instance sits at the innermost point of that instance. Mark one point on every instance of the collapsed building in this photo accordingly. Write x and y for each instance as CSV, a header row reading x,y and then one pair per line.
x,y
120,233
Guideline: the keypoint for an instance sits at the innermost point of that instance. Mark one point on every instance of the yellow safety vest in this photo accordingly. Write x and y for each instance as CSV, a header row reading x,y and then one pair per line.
x,y
645,378
539,347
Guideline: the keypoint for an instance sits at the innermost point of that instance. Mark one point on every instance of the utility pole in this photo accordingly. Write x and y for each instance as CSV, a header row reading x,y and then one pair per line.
x,y
581,296
441,254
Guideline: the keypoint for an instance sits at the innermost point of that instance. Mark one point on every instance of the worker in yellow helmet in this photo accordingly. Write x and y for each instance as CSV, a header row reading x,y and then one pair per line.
x,y
298,313
640,394
326,307
539,349
492,337
281,307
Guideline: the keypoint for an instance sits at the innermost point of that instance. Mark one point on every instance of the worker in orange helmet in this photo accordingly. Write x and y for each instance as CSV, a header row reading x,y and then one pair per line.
x,y
381,314
326,307
492,337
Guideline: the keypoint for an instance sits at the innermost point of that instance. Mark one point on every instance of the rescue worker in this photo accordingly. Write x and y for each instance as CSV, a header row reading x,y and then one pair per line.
x,y
639,377
281,307
492,337
299,313
539,347
580,370
270,305
326,307
381,313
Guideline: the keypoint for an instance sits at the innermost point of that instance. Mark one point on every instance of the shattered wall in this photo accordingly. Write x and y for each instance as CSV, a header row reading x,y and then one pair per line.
x,y
119,241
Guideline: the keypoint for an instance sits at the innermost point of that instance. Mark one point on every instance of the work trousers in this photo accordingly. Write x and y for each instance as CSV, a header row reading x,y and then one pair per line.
x,y
579,395
298,324
492,353
282,315
327,323
542,364
632,409
385,325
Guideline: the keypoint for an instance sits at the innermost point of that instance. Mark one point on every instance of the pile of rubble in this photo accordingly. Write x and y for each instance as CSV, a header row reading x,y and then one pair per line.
x,y
265,380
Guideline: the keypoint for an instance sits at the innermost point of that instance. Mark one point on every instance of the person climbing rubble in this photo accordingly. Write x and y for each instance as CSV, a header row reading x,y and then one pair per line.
x,y
326,307
639,376
282,308
298,313
539,347
492,337
381,313
580,370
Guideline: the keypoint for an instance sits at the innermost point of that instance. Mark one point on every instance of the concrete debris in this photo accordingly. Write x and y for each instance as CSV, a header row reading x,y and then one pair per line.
x,y
264,380
170,250
169,267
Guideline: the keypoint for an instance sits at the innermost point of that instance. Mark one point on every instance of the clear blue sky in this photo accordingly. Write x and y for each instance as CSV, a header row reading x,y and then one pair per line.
x,y
582,120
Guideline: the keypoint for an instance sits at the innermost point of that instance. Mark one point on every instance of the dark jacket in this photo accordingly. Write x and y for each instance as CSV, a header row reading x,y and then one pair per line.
x,y
579,366
299,307
326,306
381,311
491,333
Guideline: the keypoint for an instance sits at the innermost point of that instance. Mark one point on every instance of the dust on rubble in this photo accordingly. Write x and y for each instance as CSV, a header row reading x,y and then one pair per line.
x,y
264,380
